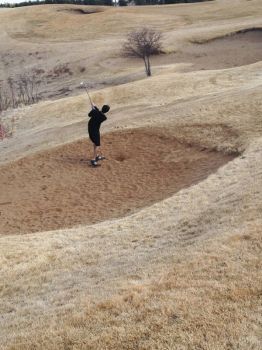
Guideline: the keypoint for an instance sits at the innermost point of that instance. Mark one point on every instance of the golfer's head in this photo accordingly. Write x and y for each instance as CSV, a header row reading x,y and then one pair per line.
x,y
105,108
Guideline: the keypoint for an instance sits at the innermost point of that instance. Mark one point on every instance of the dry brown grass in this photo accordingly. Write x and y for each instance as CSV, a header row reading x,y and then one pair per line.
x,y
209,298
57,23
184,273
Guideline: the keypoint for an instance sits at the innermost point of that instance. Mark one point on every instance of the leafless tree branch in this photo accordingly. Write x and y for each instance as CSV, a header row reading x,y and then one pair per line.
x,y
143,43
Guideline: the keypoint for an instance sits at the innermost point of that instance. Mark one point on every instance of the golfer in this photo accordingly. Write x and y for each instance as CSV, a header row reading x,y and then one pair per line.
x,y
97,117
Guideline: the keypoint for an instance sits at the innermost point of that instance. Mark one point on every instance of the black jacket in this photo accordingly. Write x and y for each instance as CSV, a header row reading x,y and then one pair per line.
x,y
96,119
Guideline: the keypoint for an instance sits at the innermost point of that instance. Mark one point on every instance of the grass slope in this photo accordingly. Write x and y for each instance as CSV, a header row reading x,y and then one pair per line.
x,y
183,273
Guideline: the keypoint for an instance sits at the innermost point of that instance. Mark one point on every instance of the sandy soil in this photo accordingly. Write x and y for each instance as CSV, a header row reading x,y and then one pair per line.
x,y
54,189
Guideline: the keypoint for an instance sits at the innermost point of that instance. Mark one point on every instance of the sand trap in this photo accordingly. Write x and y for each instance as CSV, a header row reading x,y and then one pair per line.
x,y
238,49
54,189
80,11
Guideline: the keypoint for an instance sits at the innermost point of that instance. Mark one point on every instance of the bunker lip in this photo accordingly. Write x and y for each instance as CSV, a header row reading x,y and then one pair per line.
x,y
234,49
81,11
55,189
255,33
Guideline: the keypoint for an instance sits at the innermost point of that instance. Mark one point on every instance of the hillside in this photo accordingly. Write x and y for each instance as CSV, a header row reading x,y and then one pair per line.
x,y
62,46
160,247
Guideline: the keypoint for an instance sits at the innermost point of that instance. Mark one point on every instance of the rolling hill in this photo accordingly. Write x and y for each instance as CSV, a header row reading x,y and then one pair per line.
x,y
160,247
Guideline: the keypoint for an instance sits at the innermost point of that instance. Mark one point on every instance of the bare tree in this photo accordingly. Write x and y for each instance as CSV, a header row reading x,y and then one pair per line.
x,y
22,90
28,88
143,43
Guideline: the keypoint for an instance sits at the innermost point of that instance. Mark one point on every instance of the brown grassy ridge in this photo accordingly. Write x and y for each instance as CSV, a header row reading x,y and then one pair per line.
x,y
118,20
183,273
209,299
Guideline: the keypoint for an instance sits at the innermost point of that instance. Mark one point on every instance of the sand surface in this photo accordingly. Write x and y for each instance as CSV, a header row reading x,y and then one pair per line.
x,y
58,188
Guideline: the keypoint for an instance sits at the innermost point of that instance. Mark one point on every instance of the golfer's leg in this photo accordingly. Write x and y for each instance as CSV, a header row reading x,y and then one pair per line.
x,y
98,148
95,152
98,151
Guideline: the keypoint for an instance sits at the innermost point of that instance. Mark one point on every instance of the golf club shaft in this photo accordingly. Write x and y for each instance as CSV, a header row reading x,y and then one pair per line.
x,y
89,97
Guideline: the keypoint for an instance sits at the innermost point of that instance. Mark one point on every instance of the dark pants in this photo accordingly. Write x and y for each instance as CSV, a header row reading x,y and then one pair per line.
x,y
94,136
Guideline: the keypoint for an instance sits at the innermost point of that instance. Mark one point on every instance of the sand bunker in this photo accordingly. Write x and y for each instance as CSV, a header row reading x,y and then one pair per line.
x,y
80,11
237,49
54,189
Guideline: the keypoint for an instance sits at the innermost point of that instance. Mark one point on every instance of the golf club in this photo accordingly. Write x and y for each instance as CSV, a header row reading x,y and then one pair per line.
x,y
82,84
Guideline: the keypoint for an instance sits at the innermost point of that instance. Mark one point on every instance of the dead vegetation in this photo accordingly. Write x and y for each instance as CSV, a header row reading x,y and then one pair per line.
x,y
183,273
7,128
22,90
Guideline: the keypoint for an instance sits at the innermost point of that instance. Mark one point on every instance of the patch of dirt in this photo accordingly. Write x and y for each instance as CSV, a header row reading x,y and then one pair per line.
x,y
55,189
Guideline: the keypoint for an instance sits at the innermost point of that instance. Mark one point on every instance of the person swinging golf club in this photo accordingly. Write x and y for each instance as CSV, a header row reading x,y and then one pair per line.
x,y
97,117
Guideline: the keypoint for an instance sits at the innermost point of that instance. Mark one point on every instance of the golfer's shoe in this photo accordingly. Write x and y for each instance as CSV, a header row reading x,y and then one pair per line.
x,y
94,162
100,158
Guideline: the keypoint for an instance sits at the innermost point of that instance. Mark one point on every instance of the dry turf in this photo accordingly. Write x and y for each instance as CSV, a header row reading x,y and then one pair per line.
x,y
160,247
